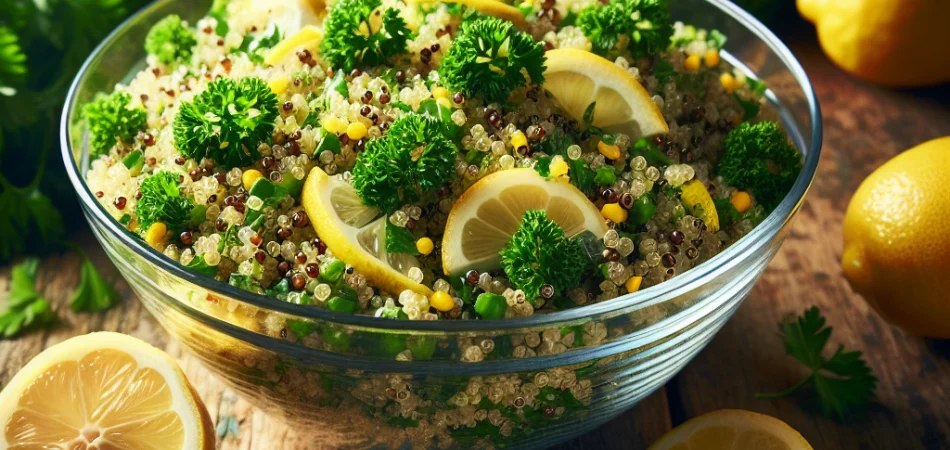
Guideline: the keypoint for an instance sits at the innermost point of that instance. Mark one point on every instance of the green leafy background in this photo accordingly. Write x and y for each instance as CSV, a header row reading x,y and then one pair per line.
x,y
42,45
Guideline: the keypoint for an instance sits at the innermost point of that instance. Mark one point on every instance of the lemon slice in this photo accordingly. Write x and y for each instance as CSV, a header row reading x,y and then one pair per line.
x,y
356,233
731,429
487,214
577,79
492,8
103,391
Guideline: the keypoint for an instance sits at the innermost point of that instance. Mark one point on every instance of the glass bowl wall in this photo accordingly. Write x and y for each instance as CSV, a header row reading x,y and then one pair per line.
x,y
363,382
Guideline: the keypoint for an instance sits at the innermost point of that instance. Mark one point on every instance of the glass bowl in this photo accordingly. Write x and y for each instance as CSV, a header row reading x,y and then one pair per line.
x,y
525,383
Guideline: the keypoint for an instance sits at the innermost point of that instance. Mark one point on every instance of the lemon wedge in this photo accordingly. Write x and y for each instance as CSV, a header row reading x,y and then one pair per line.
x,y
734,430
577,79
492,8
308,37
488,213
356,233
104,391
700,204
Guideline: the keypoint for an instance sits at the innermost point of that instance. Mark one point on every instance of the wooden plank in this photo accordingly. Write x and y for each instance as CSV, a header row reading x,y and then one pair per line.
x,y
864,127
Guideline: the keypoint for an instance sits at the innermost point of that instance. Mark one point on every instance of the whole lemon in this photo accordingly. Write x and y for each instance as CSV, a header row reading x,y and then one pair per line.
x,y
897,239
890,42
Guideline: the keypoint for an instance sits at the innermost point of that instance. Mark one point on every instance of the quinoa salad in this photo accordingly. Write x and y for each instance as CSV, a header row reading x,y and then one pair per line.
x,y
438,160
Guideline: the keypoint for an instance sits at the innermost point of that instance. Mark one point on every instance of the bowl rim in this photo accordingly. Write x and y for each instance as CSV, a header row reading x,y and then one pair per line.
x,y
759,237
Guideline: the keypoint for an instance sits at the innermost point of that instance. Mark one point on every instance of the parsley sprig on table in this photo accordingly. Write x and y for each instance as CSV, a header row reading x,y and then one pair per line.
x,y
843,382
93,293
25,308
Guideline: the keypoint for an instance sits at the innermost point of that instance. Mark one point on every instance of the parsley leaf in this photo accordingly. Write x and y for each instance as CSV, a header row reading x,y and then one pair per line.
x,y
256,46
843,382
93,292
30,221
400,240
25,308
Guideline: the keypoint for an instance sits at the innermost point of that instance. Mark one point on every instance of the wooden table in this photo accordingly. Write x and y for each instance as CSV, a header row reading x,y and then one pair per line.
x,y
864,127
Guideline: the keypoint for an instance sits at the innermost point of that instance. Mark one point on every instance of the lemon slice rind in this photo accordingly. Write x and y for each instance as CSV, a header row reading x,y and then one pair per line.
x,y
358,237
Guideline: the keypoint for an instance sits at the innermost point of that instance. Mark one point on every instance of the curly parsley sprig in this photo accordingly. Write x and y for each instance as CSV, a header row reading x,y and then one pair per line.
x,y
644,27
112,119
540,253
843,382
362,32
490,58
162,201
413,158
227,121
171,40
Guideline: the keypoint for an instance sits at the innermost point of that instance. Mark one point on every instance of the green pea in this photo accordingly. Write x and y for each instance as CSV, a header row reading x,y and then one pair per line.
x,y
343,304
491,306
331,271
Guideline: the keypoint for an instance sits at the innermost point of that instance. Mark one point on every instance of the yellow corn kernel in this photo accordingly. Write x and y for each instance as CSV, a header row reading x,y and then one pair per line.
x,y
279,85
249,177
691,64
518,140
335,125
440,92
155,235
633,284
356,131
425,246
558,167
609,151
741,200
614,212
728,82
441,301
711,57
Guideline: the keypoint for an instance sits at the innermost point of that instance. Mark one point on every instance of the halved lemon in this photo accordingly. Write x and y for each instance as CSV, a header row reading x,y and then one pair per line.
x,y
103,391
578,79
356,233
732,429
492,8
485,217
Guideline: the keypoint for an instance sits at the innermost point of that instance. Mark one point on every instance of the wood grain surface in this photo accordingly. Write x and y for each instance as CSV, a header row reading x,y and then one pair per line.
x,y
864,127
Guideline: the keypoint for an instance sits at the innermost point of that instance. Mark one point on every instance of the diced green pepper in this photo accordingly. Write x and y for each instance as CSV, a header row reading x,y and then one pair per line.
x,y
643,209
652,154
491,306
331,271
134,161
328,141
343,304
